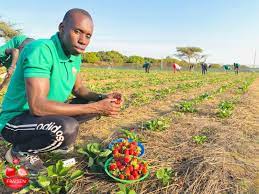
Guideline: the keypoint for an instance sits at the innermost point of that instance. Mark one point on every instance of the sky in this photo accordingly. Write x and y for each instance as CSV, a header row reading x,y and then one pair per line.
x,y
227,30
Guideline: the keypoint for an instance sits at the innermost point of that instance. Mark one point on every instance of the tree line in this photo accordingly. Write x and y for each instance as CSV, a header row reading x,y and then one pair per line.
x,y
188,57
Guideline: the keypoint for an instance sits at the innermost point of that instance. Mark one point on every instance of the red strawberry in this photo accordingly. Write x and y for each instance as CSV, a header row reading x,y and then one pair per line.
x,y
126,152
126,159
121,176
121,168
112,166
9,171
117,101
16,161
144,170
131,177
134,143
131,151
135,173
118,163
118,97
140,167
127,171
115,152
131,168
132,146
22,172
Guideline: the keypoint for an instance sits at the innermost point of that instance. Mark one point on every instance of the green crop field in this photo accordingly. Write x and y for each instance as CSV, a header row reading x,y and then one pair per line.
x,y
198,133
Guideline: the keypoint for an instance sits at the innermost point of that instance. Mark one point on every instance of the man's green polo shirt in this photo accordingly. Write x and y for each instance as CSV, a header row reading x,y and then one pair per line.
x,y
15,42
43,58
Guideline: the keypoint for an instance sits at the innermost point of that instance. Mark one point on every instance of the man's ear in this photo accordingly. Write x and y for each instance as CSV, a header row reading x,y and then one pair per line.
x,y
61,27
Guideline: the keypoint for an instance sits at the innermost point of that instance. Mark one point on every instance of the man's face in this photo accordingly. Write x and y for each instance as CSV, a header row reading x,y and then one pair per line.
x,y
75,33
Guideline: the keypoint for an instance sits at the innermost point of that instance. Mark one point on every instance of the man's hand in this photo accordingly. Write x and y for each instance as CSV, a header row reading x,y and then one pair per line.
x,y
1,86
117,96
108,107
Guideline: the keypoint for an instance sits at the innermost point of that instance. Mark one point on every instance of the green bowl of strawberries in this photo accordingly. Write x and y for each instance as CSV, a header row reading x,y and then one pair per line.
x,y
126,169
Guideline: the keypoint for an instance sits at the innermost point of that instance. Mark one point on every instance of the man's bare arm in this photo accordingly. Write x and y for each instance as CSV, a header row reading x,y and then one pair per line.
x,y
15,55
81,91
37,90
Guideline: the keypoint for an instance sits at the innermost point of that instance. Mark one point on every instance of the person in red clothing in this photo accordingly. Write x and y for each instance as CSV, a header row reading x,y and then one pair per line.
x,y
174,67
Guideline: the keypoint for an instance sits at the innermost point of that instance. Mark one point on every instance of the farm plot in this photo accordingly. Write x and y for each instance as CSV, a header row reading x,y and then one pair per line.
x,y
198,133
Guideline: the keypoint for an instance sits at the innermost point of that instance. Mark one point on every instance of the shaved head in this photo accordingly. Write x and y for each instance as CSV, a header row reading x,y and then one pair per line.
x,y
73,11
75,31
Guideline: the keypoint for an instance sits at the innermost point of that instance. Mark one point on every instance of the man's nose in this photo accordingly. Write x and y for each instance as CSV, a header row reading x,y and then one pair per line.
x,y
82,39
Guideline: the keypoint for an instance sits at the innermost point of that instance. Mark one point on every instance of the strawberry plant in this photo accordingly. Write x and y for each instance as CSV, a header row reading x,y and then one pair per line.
x,y
164,175
96,155
125,190
199,139
58,179
130,134
157,125
204,96
225,109
186,106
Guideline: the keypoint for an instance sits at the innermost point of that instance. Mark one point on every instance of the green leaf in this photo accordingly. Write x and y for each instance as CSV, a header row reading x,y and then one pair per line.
x,y
90,162
120,192
54,189
105,153
160,173
59,166
76,174
160,123
24,190
34,187
122,187
68,186
51,171
64,171
94,148
132,192
81,151
43,181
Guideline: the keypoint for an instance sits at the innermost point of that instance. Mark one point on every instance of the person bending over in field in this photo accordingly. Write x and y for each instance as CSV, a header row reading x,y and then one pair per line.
x,y
9,53
36,116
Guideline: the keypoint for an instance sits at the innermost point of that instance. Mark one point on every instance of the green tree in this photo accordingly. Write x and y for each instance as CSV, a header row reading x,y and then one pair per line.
x,y
187,53
7,30
90,57
136,59
115,57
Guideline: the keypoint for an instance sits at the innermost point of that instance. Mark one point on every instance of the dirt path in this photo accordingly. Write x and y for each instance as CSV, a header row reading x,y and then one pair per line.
x,y
247,145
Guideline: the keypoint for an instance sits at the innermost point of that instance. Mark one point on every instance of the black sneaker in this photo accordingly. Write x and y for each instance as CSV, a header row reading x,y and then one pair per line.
x,y
32,162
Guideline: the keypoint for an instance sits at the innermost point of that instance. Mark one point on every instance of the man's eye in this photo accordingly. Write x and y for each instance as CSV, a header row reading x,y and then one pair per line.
x,y
88,36
77,31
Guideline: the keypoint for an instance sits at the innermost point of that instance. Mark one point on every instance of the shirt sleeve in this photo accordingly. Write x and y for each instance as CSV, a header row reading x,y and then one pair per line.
x,y
37,61
9,44
15,42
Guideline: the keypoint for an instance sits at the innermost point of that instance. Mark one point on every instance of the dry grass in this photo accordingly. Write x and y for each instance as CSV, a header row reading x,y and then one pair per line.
x,y
226,163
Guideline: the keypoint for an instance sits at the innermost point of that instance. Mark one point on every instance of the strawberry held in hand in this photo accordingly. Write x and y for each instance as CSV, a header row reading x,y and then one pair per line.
x,y
118,97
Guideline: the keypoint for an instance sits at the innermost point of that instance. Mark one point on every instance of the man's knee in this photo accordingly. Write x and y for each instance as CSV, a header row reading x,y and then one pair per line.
x,y
70,130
